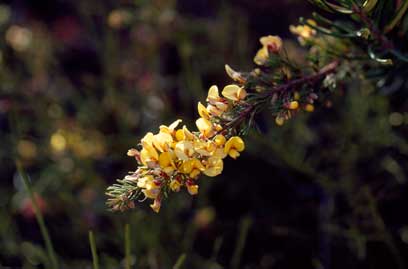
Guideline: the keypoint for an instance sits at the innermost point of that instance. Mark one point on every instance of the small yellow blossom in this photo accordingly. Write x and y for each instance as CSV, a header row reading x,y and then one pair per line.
x,y
170,129
213,167
184,150
213,95
166,162
233,146
202,111
309,108
175,185
269,44
156,205
162,141
205,127
219,140
279,120
293,105
192,189
304,32
234,92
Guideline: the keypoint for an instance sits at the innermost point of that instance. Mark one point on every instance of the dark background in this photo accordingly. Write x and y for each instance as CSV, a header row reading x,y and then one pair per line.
x,y
83,81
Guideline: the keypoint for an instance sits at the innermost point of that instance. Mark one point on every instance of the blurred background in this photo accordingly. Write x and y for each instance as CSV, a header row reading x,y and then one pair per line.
x,y
82,81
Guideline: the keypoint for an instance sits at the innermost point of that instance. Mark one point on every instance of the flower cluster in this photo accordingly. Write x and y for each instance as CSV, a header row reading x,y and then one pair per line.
x,y
175,157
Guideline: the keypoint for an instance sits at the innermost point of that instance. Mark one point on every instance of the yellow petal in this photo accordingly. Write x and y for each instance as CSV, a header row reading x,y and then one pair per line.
x,y
213,95
204,126
293,105
151,193
192,189
162,141
195,173
233,153
175,124
214,167
261,56
203,111
273,42
186,167
188,135
156,205
175,185
166,161
234,142
279,121
234,92
184,149
150,151
219,140
309,108
180,135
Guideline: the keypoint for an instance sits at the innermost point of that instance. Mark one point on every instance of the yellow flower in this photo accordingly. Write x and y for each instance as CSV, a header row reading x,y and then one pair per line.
x,y
205,148
187,134
202,111
162,141
166,162
180,135
269,43
192,167
169,129
148,154
149,188
274,43
143,182
279,120
234,92
305,32
213,95
175,185
219,140
293,105
236,76
156,205
309,108
184,150
233,146
192,189
205,127
213,166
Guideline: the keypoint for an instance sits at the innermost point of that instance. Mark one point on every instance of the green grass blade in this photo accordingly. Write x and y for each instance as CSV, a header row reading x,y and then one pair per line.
x,y
39,217
95,258
241,239
180,261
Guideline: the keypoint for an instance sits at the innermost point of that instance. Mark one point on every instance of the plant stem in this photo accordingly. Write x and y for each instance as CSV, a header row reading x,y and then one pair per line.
x,y
39,217
328,69
180,261
242,236
127,247
92,243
